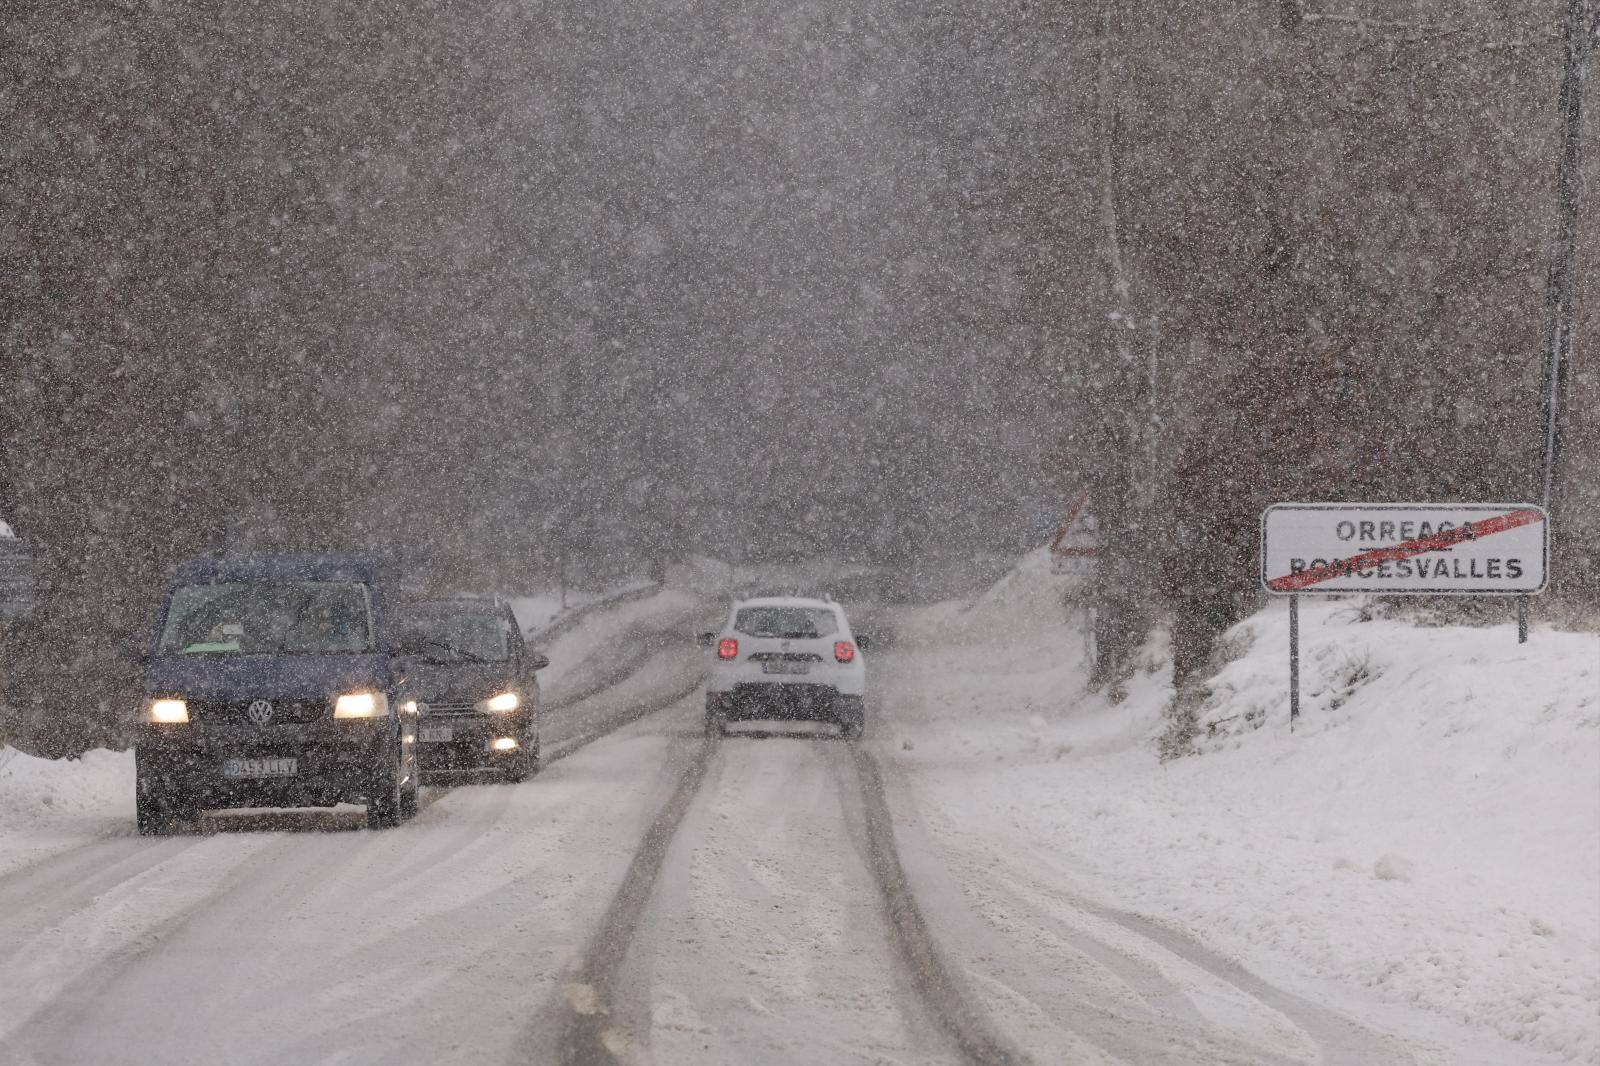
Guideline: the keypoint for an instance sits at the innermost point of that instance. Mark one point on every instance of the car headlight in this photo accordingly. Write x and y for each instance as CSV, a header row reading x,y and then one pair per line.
x,y
410,707
506,701
361,705
168,711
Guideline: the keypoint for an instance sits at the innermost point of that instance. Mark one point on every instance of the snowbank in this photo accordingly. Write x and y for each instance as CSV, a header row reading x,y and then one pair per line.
x,y
609,642
1428,838
51,805
1020,609
538,612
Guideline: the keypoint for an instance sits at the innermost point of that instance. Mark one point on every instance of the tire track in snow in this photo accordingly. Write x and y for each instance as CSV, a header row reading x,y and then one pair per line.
x,y
584,1018
642,646
1112,985
136,935
611,723
946,996
588,1014
75,878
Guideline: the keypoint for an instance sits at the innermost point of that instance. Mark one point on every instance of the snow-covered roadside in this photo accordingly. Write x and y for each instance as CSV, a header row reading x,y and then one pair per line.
x,y
539,613
53,805
602,643
1423,853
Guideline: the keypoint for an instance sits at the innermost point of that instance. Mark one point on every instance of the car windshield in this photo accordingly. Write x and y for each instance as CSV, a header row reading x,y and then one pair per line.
x,y
794,623
268,618
446,633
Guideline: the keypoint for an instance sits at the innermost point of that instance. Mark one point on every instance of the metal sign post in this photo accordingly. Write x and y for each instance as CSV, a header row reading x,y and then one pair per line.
x,y
1294,661
16,578
1398,549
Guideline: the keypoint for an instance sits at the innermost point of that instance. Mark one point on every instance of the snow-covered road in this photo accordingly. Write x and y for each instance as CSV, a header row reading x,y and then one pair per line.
x,y
440,942
779,896
766,940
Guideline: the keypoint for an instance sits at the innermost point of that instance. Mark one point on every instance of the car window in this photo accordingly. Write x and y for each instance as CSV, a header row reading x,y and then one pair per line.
x,y
268,618
448,634
795,623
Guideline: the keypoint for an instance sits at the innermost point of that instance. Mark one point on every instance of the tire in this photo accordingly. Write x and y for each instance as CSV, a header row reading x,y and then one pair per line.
x,y
386,807
716,718
851,716
408,798
518,769
157,815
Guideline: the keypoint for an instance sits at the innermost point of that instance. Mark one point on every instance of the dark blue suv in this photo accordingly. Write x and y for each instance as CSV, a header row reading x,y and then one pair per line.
x,y
269,684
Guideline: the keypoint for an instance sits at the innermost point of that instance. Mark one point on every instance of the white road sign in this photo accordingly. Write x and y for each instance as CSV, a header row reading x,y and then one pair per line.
x,y
1477,549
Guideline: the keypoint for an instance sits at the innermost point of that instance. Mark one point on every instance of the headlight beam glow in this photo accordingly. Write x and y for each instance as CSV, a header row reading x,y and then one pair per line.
x,y
169,711
361,705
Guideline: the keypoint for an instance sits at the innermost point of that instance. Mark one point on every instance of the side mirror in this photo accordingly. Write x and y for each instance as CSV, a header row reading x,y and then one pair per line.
x,y
537,661
863,641
707,639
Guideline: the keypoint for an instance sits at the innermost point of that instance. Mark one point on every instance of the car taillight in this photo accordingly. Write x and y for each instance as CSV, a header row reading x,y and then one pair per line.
x,y
727,648
843,650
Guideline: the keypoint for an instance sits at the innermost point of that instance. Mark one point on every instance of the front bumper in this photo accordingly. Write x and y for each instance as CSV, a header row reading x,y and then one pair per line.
x,y
469,748
334,761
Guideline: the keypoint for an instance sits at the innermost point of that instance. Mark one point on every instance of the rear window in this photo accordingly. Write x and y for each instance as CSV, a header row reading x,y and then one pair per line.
x,y
268,618
795,623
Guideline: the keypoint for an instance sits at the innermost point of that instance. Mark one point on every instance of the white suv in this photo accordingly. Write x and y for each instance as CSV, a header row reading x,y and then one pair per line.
x,y
786,657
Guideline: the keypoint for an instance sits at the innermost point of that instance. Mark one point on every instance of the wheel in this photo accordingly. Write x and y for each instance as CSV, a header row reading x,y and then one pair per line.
x,y
716,716
851,716
156,814
386,806
408,798
518,769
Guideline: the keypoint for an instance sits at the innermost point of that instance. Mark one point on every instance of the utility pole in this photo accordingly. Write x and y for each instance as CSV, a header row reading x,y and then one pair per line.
x,y
1579,31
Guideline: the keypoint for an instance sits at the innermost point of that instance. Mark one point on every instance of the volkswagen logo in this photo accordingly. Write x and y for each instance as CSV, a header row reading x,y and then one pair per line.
x,y
260,712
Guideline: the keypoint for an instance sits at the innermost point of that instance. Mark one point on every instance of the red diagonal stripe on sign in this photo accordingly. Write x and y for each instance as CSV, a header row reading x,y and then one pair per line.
x,y
1408,550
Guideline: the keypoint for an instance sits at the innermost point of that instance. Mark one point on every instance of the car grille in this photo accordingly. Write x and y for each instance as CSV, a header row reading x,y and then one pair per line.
x,y
446,709
283,711
785,657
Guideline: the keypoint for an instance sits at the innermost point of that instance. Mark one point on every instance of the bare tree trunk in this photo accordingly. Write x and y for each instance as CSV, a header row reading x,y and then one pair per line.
x,y
1121,499
1569,191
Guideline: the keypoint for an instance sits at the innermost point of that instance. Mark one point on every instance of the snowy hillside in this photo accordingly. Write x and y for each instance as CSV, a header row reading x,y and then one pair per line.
x,y
1429,837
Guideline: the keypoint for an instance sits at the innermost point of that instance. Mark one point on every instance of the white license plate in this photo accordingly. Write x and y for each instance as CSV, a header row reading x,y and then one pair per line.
x,y
435,734
785,668
260,767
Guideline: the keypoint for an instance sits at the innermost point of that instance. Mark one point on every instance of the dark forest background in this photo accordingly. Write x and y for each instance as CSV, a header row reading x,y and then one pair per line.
x,y
528,287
